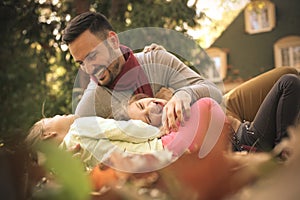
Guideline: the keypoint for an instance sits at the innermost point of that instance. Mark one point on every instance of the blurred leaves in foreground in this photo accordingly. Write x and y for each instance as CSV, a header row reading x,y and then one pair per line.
x,y
70,179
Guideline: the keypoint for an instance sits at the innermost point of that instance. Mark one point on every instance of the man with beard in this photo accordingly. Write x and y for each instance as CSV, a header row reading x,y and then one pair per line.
x,y
116,73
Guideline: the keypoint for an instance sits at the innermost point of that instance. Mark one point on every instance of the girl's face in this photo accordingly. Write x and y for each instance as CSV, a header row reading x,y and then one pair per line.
x,y
57,127
149,110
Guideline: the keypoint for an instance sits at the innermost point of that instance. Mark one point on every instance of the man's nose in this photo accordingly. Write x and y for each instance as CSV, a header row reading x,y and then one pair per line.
x,y
89,69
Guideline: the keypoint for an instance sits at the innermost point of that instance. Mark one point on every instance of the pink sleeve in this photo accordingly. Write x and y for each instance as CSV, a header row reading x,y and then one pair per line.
x,y
201,131
166,139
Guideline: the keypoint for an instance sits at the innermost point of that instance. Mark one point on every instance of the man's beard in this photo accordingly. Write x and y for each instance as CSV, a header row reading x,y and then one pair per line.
x,y
114,71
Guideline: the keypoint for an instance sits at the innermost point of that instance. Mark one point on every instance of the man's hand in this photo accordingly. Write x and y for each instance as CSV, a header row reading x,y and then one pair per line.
x,y
153,47
176,111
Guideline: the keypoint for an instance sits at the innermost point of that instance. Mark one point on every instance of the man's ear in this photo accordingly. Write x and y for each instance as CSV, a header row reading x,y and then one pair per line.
x,y
49,135
113,40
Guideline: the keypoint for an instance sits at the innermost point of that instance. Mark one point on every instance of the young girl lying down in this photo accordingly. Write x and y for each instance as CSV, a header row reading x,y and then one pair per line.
x,y
99,138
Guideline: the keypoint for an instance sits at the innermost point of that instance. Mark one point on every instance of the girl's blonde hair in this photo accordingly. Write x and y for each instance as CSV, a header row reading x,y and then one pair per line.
x,y
35,133
122,114
33,137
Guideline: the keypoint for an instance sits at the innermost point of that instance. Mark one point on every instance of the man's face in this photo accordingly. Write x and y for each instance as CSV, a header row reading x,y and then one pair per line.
x,y
95,57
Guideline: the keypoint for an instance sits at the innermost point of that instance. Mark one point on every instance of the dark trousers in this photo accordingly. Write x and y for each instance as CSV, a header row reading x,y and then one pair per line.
x,y
244,101
278,111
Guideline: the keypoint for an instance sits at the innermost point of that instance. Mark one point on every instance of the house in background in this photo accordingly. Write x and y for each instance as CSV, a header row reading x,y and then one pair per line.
x,y
266,34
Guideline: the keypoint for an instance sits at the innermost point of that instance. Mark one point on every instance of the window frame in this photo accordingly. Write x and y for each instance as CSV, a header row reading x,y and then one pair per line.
x,y
217,53
287,42
252,9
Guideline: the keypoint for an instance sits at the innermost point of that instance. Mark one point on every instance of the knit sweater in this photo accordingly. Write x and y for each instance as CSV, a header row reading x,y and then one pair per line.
x,y
99,138
162,70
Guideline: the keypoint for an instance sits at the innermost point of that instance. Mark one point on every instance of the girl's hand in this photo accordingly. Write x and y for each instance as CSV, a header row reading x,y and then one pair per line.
x,y
74,149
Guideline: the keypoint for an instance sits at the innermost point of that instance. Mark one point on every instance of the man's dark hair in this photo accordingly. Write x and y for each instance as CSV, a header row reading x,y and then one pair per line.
x,y
97,23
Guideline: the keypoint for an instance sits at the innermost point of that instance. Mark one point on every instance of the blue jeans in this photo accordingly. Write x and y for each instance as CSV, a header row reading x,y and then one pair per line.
x,y
278,111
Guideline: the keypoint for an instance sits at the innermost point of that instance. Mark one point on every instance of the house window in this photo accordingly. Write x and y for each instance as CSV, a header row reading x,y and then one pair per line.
x,y
219,58
287,52
259,16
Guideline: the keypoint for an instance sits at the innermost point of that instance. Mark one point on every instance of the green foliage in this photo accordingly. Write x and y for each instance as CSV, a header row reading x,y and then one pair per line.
x,y
160,13
129,14
27,46
68,174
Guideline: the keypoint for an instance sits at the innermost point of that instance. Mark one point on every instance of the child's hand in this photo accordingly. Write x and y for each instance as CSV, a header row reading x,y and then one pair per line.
x,y
75,150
